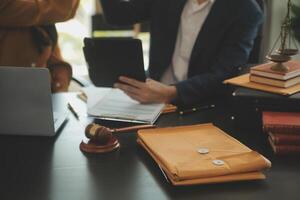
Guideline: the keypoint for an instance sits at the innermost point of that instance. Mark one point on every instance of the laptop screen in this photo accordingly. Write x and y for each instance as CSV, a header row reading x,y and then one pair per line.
x,y
25,101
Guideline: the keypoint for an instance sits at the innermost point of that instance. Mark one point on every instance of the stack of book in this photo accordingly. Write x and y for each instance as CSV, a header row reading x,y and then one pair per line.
x,y
283,129
263,74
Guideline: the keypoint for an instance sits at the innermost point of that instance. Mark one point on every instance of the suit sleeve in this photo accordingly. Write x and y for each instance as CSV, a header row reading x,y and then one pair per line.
x,y
234,53
24,13
127,12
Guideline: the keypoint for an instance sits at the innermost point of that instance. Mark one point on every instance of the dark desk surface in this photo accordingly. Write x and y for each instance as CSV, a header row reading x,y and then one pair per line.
x,y
34,168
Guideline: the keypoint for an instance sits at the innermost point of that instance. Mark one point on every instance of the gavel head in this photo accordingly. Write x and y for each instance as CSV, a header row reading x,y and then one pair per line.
x,y
100,134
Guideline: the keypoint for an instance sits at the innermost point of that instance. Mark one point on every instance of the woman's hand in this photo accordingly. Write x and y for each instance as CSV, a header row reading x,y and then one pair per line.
x,y
59,80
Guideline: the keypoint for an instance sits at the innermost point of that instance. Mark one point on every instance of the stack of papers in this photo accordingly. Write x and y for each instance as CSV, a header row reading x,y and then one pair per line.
x,y
113,104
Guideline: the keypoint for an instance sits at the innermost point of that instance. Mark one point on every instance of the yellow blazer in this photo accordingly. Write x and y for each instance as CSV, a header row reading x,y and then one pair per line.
x,y
17,47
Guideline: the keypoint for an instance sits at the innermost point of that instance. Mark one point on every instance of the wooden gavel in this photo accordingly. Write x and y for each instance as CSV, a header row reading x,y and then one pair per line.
x,y
102,134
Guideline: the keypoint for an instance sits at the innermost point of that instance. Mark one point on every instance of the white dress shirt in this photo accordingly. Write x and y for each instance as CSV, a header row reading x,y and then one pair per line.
x,y
192,19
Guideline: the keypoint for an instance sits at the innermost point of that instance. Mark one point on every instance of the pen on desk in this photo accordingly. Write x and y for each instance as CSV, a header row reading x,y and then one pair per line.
x,y
73,111
82,96
183,112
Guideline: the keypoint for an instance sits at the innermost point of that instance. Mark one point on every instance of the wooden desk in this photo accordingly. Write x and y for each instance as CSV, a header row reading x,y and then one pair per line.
x,y
54,168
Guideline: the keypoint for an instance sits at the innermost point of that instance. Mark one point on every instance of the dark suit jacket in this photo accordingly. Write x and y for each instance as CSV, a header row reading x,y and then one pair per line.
x,y
222,46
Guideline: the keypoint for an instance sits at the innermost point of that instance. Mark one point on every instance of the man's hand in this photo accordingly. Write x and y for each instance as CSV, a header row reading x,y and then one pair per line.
x,y
150,91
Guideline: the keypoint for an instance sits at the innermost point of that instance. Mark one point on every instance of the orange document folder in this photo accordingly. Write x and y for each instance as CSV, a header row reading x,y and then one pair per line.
x,y
201,154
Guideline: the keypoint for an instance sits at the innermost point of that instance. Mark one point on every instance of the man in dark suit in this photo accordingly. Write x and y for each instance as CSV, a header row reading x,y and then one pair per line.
x,y
195,45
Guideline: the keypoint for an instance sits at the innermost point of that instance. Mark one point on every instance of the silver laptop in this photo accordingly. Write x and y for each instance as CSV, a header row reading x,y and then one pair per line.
x,y
25,103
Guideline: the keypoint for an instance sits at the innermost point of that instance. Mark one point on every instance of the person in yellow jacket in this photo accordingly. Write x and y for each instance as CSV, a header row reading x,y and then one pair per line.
x,y
28,36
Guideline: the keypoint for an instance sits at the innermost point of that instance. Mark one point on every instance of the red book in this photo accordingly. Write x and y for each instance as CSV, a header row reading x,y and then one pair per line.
x,y
284,149
285,139
281,122
265,70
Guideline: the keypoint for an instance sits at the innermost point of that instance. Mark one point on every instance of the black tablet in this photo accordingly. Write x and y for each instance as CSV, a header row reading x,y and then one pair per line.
x,y
109,58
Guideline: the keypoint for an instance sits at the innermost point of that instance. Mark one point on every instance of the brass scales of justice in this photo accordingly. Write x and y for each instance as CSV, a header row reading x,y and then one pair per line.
x,y
286,39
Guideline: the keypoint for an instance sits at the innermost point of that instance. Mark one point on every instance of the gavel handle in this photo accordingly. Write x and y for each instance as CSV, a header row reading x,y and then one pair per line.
x,y
132,128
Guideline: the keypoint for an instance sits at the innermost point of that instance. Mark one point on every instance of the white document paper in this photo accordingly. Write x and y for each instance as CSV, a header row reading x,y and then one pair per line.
x,y
95,94
116,105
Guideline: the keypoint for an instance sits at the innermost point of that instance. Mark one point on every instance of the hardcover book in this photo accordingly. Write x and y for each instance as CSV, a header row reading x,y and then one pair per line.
x,y
284,149
281,122
266,71
285,139
244,81
275,82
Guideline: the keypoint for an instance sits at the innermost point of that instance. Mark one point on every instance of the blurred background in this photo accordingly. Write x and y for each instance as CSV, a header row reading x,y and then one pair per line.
x,y
73,32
